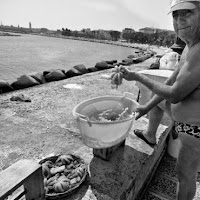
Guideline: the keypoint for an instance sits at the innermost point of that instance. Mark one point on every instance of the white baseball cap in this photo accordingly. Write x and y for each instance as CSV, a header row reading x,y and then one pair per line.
x,y
182,4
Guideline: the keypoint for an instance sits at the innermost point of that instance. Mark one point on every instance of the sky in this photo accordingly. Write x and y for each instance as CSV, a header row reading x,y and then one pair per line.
x,y
80,14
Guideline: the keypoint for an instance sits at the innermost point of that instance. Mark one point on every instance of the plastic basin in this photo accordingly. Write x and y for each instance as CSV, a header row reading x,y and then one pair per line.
x,y
98,134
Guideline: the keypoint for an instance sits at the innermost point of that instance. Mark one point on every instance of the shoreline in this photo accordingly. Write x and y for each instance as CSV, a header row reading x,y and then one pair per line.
x,y
156,49
32,79
38,78
142,47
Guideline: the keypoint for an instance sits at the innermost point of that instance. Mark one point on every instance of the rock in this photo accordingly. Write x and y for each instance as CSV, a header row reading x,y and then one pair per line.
x,y
128,61
38,77
103,65
155,65
54,75
72,72
20,97
5,87
135,55
111,62
141,58
93,69
122,63
81,68
24,81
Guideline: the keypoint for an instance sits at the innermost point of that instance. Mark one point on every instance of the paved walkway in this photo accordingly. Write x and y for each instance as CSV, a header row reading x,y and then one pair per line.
x,y
164,183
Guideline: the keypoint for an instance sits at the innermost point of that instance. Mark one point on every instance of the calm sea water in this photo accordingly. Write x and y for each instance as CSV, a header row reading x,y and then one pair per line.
x,y
32,53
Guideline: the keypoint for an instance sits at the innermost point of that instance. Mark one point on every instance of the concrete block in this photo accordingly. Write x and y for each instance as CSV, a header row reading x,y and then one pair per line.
x,y
157,75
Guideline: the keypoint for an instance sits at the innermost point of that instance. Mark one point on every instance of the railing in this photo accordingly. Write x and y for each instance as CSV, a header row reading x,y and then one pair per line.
x,y
24,173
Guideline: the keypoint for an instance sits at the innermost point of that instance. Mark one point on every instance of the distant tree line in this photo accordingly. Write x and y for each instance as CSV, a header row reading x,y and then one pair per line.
x,y
100,35
162,38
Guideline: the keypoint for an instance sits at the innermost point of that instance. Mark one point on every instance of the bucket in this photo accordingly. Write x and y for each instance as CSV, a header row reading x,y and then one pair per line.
x,y
104,134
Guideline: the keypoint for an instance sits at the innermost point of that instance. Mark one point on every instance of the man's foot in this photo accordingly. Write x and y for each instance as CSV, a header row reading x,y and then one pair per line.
x,y
139,133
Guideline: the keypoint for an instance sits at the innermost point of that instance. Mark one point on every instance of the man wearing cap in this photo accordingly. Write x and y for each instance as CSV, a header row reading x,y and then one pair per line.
x,y
179,96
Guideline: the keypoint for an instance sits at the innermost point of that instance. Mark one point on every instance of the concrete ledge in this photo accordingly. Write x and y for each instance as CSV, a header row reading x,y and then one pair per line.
x,y
155,74
129,170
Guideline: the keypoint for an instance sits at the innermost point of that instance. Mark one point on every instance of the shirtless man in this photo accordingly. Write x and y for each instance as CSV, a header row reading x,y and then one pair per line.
x,y
179,96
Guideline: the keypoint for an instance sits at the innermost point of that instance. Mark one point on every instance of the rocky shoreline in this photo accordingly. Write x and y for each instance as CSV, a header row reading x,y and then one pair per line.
x,y
142,53
33,79
7,34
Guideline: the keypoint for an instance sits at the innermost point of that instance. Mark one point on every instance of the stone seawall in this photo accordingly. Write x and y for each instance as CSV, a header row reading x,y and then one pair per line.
x,y
33,79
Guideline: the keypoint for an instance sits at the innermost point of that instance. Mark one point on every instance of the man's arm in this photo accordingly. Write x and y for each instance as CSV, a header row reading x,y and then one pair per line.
x,y
186,81
170,81
157,99
164,90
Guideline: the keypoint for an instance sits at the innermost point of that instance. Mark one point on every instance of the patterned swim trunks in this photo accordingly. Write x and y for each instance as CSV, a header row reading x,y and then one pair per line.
x,y
185,128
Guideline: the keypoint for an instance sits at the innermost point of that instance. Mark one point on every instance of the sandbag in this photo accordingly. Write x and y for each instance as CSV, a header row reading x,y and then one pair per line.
x,y
24,81
72,72
81,68
5,87
54,75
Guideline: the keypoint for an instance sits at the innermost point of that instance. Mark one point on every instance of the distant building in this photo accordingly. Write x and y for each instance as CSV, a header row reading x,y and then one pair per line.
x,y
86,30
147,30
128,30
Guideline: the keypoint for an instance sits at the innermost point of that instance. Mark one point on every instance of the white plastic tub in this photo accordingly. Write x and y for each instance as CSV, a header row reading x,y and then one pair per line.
x,y
97,134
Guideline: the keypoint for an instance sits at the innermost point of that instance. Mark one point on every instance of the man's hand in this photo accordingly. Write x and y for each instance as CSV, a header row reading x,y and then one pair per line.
x,y
127,74
118,73
141,110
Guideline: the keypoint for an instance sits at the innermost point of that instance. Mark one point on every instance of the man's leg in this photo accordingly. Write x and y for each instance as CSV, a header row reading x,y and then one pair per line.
x,y
155,117
187,166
